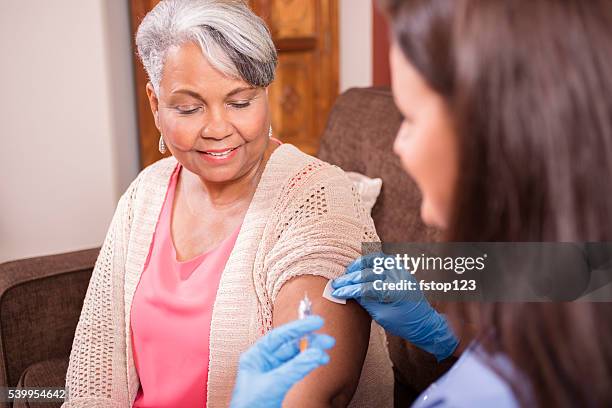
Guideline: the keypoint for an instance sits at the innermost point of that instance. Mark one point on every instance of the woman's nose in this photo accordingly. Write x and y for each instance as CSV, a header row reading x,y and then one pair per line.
x,y
217,127
400,140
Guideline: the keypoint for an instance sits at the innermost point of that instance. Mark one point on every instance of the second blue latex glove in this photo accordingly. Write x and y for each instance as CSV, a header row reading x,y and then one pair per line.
x,y
269,369
403,313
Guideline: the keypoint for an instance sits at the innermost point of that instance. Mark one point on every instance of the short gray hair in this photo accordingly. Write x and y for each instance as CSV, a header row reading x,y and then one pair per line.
x,y
232,38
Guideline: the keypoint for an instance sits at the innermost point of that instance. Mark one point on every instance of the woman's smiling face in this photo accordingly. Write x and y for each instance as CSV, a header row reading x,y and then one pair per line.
x,y
214,125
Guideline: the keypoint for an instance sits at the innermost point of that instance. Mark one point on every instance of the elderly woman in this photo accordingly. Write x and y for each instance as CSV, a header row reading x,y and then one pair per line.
x,y
212,247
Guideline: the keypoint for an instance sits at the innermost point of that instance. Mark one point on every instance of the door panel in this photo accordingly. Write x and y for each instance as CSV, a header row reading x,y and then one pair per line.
x,y
292,96
293,18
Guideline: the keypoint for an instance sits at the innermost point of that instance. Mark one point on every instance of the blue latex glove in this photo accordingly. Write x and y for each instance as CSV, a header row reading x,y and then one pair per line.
x,y
274,363
403,313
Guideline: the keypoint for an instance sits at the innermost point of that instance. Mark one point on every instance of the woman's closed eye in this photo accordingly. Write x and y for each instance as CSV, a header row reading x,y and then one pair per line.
x,y
191,109
187,109
240,104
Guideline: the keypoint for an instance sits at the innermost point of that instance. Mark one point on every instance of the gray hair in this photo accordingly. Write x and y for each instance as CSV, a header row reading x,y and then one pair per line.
x,y
233,39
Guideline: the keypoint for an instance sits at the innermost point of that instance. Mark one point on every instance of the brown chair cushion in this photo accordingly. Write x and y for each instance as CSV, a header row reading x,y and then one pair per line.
x,y
359,137
40,304
49,373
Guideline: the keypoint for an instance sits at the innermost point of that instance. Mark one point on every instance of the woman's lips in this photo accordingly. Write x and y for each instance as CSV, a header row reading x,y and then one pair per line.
x,y
219,155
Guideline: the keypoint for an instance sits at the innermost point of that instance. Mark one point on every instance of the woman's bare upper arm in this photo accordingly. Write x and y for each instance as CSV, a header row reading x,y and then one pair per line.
x,y
335,383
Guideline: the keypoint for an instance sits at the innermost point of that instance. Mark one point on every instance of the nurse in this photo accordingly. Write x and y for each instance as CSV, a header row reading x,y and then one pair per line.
x,y
507,132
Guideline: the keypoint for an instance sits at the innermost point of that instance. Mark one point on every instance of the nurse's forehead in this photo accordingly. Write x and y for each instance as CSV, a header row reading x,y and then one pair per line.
x,y
410,90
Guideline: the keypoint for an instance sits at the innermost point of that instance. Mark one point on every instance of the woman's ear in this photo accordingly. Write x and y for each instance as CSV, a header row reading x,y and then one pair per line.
x,y
153,103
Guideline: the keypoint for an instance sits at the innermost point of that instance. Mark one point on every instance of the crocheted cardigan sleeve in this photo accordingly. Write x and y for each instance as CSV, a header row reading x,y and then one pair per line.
x,y
320,226
93,371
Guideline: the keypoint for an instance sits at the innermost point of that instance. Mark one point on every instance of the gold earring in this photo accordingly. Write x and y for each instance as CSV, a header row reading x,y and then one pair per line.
x,y
162,145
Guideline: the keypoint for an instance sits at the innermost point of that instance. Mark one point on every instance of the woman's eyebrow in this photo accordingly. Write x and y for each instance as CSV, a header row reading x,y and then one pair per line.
x,y
188,92
198,96
240,89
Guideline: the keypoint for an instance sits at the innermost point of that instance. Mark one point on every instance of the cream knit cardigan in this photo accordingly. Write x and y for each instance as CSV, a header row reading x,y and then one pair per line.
x,y
305,218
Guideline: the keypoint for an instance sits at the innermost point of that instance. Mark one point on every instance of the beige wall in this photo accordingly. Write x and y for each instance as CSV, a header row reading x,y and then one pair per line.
x,y
355,43
68,131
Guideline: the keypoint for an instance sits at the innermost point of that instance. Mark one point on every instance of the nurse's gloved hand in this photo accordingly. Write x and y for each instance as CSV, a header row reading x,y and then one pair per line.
x,y
274,363
405,313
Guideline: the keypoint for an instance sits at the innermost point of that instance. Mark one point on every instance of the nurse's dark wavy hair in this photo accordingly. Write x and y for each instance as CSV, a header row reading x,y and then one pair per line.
x,y
529,85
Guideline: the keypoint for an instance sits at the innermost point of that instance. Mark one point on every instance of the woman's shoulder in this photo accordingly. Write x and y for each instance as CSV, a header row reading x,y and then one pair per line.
x,y
472,381
154,175
300,170
146,191
306,183
157,170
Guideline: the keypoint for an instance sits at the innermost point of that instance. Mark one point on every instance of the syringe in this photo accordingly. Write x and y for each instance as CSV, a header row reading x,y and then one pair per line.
x,y
304,310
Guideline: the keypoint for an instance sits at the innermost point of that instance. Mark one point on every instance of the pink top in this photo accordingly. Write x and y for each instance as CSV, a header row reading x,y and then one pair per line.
x,y
170,317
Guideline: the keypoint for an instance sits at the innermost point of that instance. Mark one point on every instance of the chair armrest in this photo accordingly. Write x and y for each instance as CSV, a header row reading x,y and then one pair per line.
x,y
40,303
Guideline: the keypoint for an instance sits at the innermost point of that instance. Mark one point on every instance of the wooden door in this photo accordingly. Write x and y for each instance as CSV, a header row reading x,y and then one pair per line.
x,y
305,33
